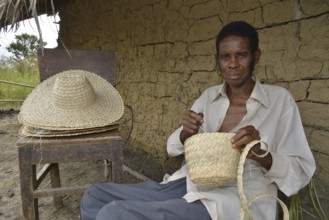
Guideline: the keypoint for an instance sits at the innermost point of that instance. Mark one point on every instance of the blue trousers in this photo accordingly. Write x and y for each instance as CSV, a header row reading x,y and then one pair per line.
x,y
142,201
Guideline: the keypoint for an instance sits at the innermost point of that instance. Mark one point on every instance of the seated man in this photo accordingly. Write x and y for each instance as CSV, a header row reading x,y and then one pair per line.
x,y
242,105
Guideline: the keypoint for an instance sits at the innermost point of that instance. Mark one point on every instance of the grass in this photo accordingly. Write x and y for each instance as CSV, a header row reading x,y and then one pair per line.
x,y
296,210
16,72
315,201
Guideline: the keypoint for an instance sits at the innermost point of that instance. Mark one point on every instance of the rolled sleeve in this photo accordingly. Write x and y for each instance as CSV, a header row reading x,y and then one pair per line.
x,y
174,145
283,167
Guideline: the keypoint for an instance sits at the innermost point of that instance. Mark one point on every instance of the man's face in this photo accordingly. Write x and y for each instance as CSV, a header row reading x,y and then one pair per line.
x,y
236,61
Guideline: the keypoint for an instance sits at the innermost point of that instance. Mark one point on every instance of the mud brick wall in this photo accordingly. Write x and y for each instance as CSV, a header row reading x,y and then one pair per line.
x,y
166,58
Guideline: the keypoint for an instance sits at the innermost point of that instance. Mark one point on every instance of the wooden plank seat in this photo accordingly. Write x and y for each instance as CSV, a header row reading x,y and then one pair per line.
x,y
51,151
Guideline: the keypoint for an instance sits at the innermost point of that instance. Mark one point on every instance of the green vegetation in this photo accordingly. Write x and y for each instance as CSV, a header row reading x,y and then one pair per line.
x,y
24,47
315,200
21,68
296,210
19,72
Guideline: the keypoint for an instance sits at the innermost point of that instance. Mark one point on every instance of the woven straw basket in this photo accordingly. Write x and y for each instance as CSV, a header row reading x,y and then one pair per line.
x,y
211,159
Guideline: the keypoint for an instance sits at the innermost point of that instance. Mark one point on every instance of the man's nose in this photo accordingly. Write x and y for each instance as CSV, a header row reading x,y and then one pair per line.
x,y
233,62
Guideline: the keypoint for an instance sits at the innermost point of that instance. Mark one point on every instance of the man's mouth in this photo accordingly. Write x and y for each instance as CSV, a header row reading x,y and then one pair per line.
x,y
232,76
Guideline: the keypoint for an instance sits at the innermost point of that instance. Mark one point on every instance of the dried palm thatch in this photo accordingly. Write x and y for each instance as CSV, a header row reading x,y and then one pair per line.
x,y
14,11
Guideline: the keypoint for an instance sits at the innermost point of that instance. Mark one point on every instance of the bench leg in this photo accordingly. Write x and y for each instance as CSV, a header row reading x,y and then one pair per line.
x,y
27,173
117,164
55,183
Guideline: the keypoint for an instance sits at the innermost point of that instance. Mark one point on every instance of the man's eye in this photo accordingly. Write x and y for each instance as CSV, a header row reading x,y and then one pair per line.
x,y
224,57
243,55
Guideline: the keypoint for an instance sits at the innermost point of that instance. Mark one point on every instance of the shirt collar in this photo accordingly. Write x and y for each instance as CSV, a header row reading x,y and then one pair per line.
x,y
258,93
221,91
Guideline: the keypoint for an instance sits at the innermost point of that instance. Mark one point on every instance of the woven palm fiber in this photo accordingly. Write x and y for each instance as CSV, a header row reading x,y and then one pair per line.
x,y
29,131
72,100
212,161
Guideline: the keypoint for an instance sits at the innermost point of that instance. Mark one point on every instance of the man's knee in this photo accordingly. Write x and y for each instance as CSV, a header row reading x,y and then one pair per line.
x,y
113,211
89,194
90,204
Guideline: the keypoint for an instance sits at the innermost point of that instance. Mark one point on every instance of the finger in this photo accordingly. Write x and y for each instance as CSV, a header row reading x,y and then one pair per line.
x,y
190,123
198,117
245,135
242,141
248,130
201,115
190,126
239,134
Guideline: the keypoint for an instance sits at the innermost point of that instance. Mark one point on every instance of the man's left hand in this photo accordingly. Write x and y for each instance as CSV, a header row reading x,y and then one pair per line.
x,y
244,136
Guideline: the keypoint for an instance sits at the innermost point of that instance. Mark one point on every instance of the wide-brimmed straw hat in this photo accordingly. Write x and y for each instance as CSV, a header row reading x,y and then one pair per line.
x,y
70,100
39,132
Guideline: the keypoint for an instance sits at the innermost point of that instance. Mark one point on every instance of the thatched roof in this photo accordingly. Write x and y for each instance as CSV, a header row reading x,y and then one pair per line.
x,y
14,11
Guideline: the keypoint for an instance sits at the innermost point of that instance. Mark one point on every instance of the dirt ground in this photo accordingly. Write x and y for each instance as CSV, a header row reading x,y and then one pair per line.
x,y
71,174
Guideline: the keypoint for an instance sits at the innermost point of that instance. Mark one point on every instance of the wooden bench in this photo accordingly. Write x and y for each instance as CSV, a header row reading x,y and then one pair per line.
x,y
51,151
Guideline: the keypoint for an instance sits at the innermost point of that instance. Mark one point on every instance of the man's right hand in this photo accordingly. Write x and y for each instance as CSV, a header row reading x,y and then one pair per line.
x,y
191,123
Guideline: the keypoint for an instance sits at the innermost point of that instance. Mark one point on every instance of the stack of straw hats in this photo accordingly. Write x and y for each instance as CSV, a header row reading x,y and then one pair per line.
x,y
72,102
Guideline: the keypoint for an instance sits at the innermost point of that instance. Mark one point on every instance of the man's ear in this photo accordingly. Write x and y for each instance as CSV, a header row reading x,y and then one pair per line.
x,y
257,55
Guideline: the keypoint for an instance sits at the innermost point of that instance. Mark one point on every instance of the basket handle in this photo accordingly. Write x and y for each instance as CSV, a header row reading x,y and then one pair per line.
x,y
244,202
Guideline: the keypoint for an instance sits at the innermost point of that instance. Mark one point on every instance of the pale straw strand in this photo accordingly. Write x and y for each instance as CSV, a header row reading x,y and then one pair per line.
x,y
244,202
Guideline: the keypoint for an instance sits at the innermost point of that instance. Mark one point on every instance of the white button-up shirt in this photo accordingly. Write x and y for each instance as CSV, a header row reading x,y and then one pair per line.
x,y
274,113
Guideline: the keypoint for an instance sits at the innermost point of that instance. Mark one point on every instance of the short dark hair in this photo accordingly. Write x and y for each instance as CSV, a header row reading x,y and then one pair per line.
x,y
241,29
